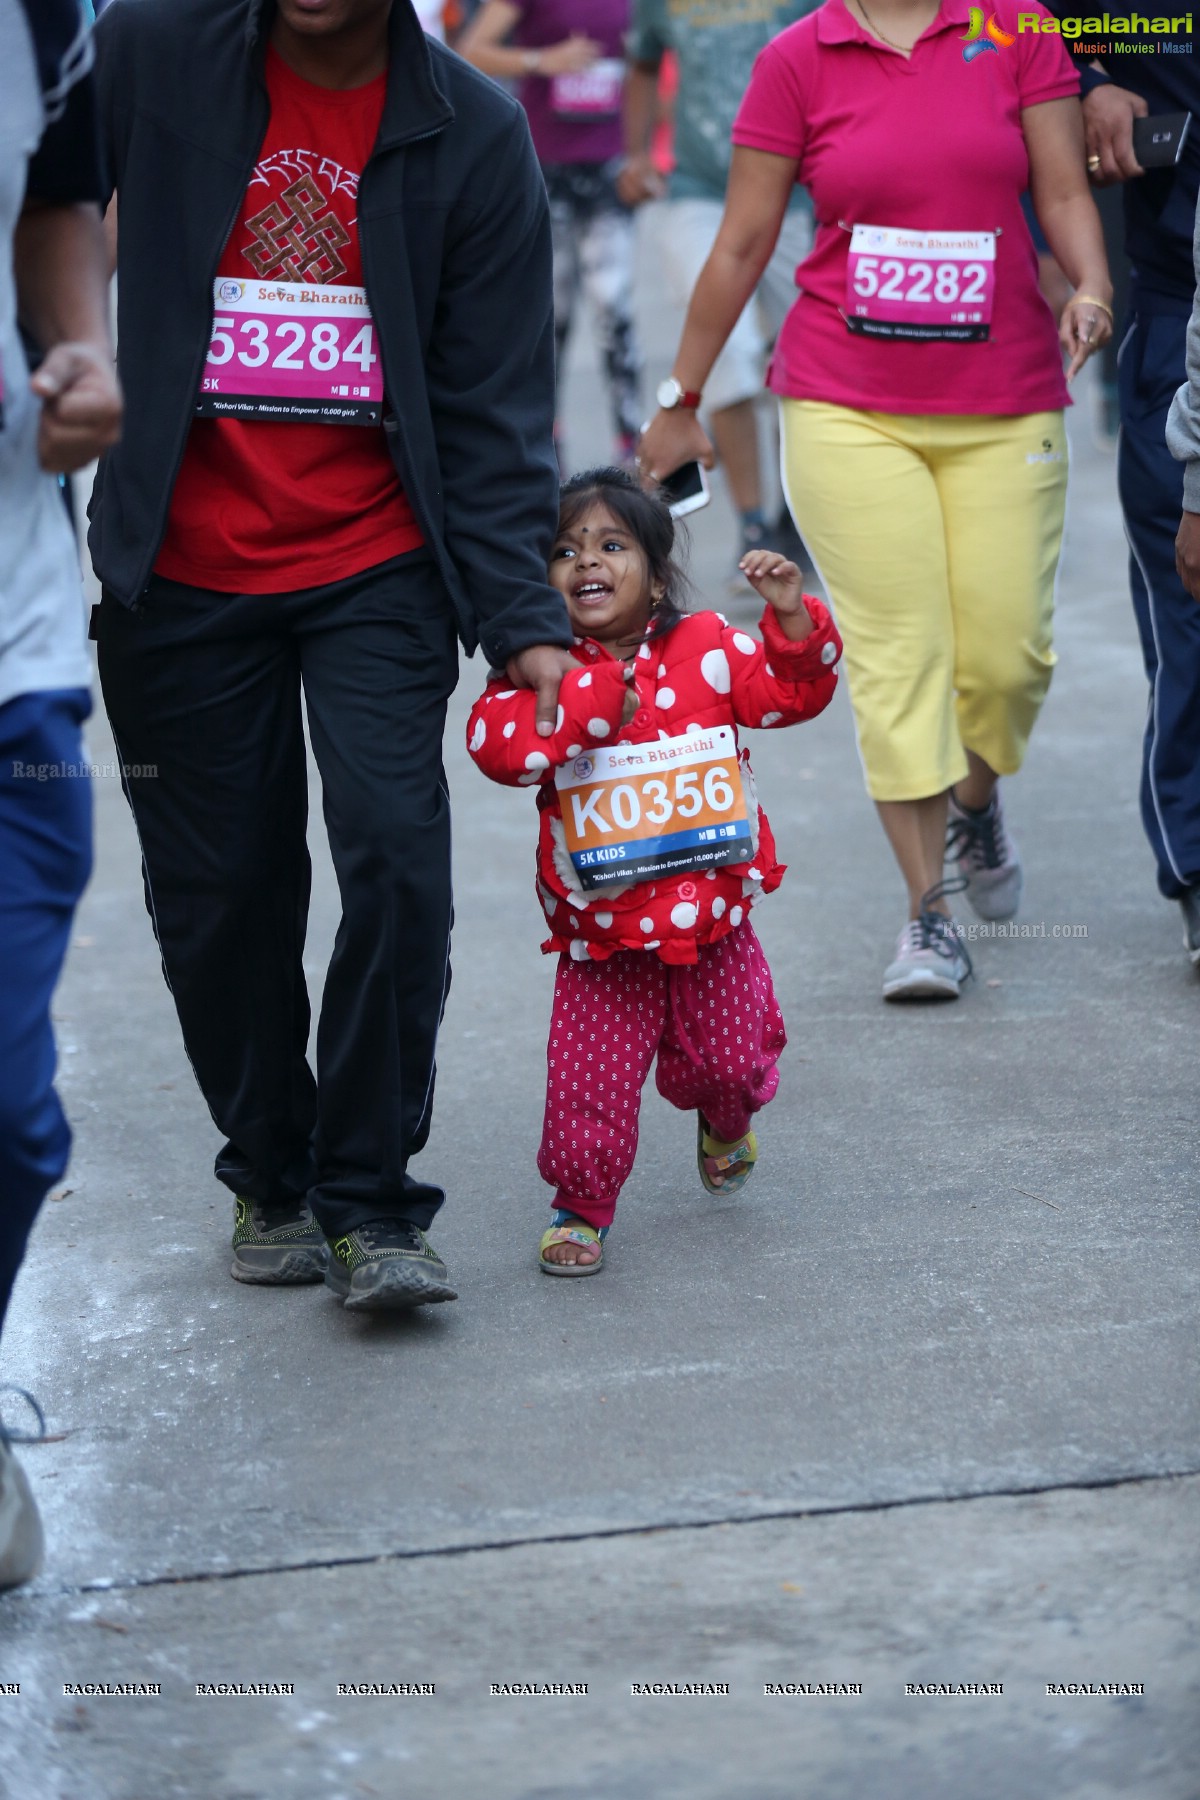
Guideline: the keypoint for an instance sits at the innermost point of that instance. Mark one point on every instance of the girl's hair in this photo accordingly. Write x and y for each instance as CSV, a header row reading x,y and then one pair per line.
x,y
647,519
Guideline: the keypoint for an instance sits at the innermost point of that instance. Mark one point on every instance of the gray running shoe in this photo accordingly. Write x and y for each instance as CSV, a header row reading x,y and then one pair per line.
x,y
931,961
385,1266
1189,902
987,858
21,1541
277,1248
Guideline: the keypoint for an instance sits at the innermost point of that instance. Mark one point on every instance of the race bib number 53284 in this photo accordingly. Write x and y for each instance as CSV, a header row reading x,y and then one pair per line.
x,y
634,811
921,284
281,350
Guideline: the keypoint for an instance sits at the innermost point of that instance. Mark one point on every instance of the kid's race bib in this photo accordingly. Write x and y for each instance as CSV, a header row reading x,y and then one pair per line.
x,y
920,284
283,351
634,811
593,93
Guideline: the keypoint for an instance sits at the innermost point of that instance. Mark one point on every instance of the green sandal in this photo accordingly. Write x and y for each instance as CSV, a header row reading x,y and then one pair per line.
x,y
567,1229
741,1156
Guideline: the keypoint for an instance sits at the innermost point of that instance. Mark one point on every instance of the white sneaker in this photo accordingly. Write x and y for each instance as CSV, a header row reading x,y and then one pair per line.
x,y
987,858
20,1524
930,963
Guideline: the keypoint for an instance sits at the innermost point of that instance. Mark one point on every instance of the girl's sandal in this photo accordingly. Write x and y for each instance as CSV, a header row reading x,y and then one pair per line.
x,y
734,1161
567,1229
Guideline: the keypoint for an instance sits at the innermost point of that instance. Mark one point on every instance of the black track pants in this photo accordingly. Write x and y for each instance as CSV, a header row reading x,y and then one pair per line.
x,y
205,688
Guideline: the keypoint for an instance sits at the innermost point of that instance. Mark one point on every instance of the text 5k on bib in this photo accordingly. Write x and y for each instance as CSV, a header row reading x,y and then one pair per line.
x,y
631,812
283,350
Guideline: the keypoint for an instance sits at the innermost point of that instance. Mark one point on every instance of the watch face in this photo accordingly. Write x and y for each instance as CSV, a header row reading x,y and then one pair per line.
x,y
668,393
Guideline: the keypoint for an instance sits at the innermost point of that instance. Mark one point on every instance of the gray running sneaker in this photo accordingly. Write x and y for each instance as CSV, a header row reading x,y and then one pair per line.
x,y
931,961
987,858
277,1248
1189,902
21,1542
385,1266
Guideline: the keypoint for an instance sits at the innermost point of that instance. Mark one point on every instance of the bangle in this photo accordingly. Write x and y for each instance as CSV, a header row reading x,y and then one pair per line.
x,y
1091,300
532,61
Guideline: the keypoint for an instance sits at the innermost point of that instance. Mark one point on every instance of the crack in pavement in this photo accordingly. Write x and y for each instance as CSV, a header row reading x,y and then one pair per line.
x,y
132,1583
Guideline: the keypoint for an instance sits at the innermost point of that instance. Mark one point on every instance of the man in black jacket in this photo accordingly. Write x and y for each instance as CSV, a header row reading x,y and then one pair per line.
x,y
336,339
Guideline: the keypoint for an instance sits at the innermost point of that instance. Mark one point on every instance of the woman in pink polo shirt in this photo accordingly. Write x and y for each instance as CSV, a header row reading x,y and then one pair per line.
x,y
922,395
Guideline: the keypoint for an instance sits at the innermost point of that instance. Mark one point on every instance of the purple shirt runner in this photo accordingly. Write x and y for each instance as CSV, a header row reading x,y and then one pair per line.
x,y
575,118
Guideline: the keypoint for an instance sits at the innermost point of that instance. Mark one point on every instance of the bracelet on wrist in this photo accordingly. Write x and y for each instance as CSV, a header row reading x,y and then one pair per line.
x,y
1091,300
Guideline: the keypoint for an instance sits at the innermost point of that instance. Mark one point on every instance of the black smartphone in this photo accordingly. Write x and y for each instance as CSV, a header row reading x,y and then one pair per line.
x,y
685,489
1158,141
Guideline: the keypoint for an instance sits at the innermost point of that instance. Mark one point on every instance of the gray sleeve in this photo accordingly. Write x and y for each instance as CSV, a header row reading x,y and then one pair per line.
x,y
1183,421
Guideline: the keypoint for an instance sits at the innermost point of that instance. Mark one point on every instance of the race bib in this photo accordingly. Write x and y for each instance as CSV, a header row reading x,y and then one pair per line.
x,y
284,351
921,284
593,93
634,811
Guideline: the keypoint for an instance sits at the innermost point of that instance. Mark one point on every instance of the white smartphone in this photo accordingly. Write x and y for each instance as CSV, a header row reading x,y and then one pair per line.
x,y
686,490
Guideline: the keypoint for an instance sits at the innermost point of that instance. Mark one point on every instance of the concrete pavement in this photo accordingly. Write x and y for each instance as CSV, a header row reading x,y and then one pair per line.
x,y
918,1408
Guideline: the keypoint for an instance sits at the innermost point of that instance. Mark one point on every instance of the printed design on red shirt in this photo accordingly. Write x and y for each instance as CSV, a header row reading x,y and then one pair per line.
x,y
298,246
287,467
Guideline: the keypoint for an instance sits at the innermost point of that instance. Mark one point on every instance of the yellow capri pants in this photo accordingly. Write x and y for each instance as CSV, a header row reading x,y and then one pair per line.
x,y
937,539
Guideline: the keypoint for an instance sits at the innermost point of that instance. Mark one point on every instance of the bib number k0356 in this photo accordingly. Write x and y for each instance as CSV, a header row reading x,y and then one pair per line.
x,y
284,351
633,811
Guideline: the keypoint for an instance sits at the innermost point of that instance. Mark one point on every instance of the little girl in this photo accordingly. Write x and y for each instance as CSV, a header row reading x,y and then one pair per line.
x,y
653,849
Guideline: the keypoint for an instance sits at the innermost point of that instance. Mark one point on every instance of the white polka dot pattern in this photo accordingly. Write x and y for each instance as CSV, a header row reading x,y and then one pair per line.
x,y
714,1026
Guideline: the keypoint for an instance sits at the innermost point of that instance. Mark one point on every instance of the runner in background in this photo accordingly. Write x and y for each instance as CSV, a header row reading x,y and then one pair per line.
x,y
567,58
715,48
922,396
1160,207
53,267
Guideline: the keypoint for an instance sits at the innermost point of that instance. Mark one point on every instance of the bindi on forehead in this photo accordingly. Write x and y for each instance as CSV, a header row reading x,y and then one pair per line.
x,y
591,526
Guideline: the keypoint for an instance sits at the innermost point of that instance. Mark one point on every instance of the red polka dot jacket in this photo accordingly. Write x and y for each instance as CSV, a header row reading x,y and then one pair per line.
x,y
700,675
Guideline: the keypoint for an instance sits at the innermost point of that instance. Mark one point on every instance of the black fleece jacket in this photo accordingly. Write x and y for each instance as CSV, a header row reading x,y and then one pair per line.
x,y
455,239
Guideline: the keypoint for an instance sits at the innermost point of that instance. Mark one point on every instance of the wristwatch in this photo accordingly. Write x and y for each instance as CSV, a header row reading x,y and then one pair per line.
x,y
670,394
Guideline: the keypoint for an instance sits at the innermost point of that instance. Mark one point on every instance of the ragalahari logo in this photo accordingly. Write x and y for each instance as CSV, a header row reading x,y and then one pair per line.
x,y
981,35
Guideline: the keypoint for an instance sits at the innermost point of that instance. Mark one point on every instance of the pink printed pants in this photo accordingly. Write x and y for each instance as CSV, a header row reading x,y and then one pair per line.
x,y
718,1033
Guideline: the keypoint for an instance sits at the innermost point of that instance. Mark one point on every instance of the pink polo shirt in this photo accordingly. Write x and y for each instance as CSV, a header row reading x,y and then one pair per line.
x,y
932,143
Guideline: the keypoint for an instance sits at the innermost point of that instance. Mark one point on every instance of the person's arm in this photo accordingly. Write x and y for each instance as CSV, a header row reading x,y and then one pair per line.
x,y
1066,212
639,179
792,674
489,378
760,185
503,739
1108,112
61,272
1183,441
1108,115
482,43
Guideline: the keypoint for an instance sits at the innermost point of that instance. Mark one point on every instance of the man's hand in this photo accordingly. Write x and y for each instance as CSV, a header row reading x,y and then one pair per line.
x,y
1187,553
638,179
570,57
542,668
81,407
1108,115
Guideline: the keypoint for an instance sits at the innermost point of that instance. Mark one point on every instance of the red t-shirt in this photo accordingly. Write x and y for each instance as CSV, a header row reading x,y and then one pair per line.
x,y
261,507
928,145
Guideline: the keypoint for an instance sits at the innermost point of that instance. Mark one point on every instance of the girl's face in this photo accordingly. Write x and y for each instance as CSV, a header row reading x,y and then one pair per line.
x,y
601,571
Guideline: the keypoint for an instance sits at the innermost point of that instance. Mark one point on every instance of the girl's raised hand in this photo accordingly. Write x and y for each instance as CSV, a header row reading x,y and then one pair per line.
x,y
781,586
